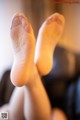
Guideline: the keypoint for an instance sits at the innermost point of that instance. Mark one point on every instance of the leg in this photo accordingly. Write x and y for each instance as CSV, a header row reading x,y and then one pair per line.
x,y
32,99
46,43
36,86
15,106
36,104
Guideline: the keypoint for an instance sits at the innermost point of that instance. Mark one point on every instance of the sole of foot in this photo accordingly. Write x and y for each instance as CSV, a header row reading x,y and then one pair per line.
x,y
48,37
23,44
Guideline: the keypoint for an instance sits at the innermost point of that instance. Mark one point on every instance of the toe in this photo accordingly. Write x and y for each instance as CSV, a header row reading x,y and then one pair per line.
x,y
58,18
20,19
15,22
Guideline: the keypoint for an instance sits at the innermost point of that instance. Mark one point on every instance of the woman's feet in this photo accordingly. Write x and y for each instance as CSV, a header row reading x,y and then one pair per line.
x,y
24,46
48,37
23,42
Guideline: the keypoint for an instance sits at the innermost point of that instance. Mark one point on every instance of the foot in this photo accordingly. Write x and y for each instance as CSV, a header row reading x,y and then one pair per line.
x,y
23,42
48,37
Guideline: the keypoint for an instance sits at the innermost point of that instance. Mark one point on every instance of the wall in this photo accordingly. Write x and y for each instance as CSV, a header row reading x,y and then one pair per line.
x,y
7,9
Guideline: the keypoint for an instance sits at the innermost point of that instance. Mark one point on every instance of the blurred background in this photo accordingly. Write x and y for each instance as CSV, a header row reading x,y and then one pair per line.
x,y
67,54
37,12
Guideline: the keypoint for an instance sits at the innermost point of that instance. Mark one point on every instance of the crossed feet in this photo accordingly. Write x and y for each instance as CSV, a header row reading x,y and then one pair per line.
x,y
24,44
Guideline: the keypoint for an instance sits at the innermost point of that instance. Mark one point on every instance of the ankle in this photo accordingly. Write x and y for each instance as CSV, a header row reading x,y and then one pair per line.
x,y
33,78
